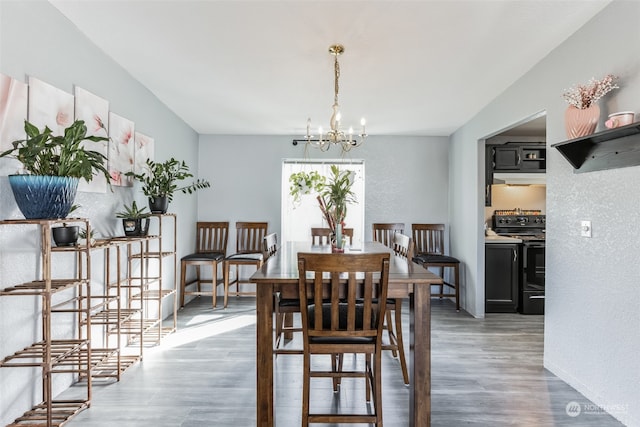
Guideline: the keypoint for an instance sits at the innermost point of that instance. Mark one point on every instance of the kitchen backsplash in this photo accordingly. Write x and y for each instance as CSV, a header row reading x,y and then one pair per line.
x,y
527,197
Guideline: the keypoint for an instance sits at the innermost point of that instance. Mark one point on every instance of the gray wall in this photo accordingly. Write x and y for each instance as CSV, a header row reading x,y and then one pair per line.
x,y
406,178
592,318
36,40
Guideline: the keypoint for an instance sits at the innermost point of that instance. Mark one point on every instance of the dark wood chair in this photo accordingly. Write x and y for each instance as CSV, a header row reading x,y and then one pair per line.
x,y
249,252
211,248
429,251
386,233
322,236
383,232
344,314
270,245
402,247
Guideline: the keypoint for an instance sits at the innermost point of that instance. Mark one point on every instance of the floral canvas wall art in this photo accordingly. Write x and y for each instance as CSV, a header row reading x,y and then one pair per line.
x,y
94,110
143,151
121,150
49,106
13,110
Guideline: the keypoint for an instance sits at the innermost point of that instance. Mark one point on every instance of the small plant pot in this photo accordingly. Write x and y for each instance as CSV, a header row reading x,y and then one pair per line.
x,y
135,227
158,205
65,236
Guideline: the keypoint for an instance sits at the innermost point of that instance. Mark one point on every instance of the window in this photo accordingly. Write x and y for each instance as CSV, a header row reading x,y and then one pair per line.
x,y
298,219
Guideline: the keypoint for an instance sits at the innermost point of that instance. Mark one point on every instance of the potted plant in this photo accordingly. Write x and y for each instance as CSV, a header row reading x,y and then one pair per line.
x,y
135,221
159,182
333,197
53,165
305,183
66,235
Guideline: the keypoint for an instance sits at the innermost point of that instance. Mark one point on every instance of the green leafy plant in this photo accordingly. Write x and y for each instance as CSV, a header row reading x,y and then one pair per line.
x,y
43,153
132,212
305,183
160,179
336,195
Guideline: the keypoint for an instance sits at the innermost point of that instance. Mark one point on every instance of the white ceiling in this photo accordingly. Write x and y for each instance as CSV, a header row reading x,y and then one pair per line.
x,y
420,67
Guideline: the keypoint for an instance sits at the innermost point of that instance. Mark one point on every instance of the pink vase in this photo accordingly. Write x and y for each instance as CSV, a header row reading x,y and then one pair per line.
x,y
581,122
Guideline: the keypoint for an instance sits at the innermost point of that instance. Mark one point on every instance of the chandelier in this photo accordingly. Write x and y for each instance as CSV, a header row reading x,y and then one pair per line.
x,y
335,135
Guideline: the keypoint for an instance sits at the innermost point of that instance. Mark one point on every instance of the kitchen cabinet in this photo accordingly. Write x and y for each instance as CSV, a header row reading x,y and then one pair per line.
x,y
501,277
609,149
488,174
520,157
513,157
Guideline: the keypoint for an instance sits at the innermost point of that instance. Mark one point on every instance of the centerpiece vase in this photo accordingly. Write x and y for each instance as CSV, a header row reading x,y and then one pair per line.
x,y
581,122
337,243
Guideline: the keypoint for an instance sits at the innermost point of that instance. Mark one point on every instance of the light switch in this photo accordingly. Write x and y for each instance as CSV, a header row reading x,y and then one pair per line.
x,y
585,228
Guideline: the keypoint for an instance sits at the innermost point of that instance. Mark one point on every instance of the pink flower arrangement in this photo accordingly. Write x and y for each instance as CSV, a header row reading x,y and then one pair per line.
x,y
583,96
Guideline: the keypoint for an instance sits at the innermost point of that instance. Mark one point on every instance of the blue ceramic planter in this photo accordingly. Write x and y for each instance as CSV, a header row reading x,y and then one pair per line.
x,y
44,197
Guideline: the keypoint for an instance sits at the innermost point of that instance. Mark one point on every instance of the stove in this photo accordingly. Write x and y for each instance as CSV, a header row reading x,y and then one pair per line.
x,y
528,226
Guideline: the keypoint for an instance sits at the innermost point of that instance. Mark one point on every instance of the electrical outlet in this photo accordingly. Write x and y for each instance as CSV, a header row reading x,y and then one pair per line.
x,y
585,228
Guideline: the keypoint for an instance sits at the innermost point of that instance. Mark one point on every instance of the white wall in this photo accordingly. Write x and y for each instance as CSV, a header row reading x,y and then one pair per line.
x,y
406,178
592,318
36,40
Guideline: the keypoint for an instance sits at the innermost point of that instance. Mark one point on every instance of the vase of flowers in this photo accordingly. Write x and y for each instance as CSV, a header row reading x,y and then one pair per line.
x,y
333,200
583,113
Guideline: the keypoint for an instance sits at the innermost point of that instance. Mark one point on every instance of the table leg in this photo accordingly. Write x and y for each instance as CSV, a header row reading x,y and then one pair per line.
x,y
420,365
264,355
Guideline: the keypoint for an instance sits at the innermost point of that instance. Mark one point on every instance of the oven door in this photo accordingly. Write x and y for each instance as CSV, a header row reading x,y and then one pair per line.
x,y
533,277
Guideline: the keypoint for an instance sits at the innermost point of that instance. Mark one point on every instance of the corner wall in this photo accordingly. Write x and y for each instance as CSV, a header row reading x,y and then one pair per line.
x,y
592,318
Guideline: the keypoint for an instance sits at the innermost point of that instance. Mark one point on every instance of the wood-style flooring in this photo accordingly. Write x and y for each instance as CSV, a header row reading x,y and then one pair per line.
x,y
485,372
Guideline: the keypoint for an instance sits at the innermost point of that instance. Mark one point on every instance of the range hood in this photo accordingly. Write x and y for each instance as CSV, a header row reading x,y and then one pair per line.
x,y
520,178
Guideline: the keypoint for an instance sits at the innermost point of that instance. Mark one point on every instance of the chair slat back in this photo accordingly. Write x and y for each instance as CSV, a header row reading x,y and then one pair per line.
x,y
212,237
270,246
322,236
383,232
249,237
403,246
351,290
428,238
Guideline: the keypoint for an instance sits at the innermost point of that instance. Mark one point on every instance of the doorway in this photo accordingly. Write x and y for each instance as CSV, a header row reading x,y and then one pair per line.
x,y
515,207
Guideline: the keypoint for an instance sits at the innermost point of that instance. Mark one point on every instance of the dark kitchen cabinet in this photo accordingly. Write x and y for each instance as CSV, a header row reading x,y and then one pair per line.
x,y
501,276
488,174
520,157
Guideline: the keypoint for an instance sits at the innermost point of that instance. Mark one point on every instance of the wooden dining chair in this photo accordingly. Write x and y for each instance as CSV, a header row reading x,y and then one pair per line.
x,y
429,251
402,247
211,248
346,296
269,246
322,236
383,232
249,252
282,306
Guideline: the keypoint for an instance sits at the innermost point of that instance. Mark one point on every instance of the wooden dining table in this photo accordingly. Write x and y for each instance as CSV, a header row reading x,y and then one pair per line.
x,y
406,280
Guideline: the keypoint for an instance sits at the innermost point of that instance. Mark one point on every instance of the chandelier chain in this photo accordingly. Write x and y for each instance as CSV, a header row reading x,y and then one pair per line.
x,y
336,68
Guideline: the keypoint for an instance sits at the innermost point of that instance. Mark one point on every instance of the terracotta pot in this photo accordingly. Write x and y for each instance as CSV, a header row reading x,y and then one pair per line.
x,y
581,122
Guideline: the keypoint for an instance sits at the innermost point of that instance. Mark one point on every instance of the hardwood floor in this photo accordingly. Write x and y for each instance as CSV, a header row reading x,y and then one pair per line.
x,y
485,372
